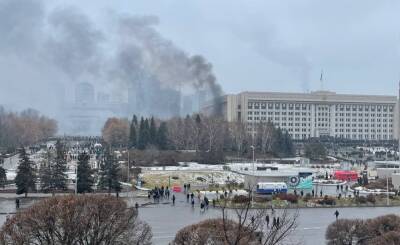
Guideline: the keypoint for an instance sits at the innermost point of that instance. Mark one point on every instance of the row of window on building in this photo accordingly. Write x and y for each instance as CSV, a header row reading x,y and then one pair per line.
x,y
302,106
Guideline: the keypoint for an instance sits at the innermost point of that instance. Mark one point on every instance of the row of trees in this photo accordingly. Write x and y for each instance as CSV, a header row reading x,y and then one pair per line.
x,y
25,128
211,135
146,133
53,177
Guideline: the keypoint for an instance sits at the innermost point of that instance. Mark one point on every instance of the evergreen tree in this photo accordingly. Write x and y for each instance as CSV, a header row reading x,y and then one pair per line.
x,y
132,133
60,167
134,120
289,147
109,174
278,143
198,119
3,174
152,132
25,179
53,176
162,138
85,179
142,141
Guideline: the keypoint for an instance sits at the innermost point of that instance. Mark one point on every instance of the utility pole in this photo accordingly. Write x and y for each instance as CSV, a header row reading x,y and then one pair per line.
x,y
129,166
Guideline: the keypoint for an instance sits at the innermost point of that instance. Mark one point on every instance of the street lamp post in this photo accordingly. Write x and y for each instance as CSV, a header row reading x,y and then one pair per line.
x,y
129,166
387,180
252,148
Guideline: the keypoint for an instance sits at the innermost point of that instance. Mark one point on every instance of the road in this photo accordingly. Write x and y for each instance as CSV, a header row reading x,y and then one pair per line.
x,y
166,219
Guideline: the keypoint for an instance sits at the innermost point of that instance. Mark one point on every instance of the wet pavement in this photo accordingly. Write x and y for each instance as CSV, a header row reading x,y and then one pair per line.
x,y
166,219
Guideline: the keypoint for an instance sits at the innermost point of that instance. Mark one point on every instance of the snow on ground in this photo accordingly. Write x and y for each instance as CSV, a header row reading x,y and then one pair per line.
x,y
198,175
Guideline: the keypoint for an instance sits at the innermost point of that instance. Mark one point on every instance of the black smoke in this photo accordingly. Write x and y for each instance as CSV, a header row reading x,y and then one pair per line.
x,y
45,52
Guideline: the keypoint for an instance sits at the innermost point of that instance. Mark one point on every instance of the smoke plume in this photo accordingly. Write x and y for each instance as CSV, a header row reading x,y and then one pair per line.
x,y
44,54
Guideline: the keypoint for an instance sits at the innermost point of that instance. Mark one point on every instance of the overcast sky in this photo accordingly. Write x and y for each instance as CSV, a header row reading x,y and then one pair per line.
x,y
281,45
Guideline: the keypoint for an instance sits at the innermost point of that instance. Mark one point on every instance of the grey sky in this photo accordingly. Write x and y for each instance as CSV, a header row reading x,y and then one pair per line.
x,y
280,45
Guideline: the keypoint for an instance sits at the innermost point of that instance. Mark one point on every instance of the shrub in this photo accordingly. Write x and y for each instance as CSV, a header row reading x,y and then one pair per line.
x,y
212,232
76,220
240,199
287,197
371,198
327,201
307,197
361,200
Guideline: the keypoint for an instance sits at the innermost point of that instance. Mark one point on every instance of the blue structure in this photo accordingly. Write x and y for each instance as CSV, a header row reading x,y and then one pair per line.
x,y
271,188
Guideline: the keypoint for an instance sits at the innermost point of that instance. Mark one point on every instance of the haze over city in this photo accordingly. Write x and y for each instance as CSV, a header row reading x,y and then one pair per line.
x,y
199,122
252,46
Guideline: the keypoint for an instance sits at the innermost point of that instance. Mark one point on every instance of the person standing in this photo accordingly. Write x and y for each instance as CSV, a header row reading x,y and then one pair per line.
x,y
187,197
17,203
173,199
336,214
267,220
277,222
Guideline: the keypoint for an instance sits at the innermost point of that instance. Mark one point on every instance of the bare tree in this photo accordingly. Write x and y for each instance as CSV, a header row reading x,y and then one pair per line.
x,y
264,136
116,131
240,225
76,220
254,221
239,135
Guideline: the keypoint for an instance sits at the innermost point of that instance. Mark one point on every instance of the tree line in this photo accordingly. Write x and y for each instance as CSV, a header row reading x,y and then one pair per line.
x,y
50,176
24,128
210,136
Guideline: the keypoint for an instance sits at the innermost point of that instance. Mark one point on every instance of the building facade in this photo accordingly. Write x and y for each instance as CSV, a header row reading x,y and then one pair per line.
x,y
316,114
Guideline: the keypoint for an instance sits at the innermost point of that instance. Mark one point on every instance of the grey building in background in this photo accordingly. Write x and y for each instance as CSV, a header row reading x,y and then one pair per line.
x,y
316,114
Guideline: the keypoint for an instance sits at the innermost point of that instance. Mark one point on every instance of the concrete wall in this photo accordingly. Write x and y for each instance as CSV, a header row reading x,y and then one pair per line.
x,y
396,180
384,173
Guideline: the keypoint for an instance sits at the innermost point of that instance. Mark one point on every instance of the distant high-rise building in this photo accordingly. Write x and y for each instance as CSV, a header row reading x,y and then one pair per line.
x,y
84,93
103,98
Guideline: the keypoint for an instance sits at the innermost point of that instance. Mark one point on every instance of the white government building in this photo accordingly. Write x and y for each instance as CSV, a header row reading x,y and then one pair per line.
x,y
320,113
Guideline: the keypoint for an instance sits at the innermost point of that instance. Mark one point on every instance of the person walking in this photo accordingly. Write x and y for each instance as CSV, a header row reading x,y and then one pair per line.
x,y
192,203
320,193
267,220
274,222
302,193
202,208
192,196
17,203
277,222
187,197
313,193
206,202
336,214
173,199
